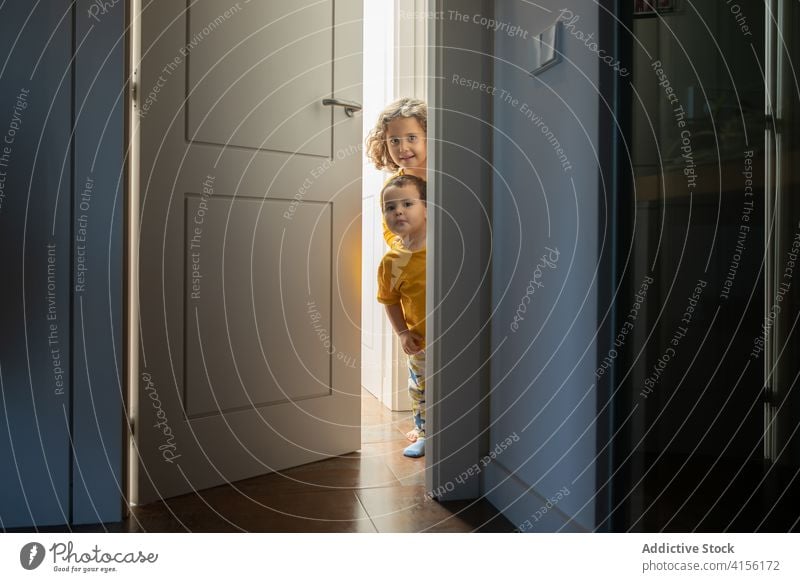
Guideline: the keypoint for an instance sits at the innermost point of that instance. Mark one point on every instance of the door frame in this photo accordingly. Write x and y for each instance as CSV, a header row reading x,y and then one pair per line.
x,y
131,258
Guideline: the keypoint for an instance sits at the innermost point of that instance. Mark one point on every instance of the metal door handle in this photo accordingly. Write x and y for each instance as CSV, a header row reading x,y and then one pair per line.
x,y
350,107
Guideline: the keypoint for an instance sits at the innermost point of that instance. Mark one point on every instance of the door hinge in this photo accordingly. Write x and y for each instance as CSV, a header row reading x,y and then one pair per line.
x,y
772,123
135,87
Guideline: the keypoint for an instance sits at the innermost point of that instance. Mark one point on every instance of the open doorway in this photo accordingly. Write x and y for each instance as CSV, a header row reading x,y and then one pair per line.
x,y
245,251
395,59
394,66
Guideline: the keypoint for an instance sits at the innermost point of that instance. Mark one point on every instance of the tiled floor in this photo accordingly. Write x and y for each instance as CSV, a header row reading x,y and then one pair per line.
x,y
373,490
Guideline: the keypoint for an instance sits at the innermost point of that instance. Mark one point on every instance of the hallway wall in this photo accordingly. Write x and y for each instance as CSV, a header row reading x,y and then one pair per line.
x,y
61,201
549,224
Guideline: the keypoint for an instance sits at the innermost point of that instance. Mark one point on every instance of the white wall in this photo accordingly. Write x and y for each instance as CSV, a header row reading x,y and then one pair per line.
x,y
542,369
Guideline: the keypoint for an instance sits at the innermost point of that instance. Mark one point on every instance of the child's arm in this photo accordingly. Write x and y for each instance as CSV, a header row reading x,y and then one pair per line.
x,y
410,341
390,297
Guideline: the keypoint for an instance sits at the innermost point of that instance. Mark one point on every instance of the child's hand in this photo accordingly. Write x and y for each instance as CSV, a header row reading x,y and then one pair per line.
x,y
411,342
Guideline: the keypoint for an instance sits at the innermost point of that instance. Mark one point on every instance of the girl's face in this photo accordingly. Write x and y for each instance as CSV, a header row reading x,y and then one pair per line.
x,y
407,145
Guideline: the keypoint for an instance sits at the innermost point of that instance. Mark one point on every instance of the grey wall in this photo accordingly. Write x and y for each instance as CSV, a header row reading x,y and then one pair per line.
x,y
35,420
61,294
459,211
543,385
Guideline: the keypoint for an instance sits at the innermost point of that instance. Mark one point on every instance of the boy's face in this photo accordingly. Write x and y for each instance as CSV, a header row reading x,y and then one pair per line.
x,y
407,143
405,214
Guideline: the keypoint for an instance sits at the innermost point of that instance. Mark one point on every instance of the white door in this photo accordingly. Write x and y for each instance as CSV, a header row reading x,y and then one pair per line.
x,y
249,252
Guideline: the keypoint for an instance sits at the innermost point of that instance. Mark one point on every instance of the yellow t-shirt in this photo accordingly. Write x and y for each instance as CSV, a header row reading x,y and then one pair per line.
x,y
401,279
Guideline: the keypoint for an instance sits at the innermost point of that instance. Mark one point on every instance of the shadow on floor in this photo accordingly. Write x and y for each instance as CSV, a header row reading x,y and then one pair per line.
x,y
375,489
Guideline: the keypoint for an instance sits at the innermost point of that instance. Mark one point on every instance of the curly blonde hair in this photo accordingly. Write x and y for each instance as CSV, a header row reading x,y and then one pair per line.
x,y
377,150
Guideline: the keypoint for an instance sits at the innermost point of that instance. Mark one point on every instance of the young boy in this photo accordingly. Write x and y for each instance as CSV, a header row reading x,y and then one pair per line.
x,y
401,288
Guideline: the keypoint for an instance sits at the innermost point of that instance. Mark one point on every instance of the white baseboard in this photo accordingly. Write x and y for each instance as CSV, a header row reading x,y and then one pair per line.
x,y
524,507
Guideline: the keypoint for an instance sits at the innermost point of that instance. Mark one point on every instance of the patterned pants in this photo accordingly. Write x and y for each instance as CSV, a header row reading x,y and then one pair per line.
x,y
416,389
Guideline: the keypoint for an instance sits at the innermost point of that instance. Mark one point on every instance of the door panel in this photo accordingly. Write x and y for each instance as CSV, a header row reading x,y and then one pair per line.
x,y
249,252
244,341
261,87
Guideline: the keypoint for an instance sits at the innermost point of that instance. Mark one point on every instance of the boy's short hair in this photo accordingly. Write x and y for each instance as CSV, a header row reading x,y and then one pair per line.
x,y
407,180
